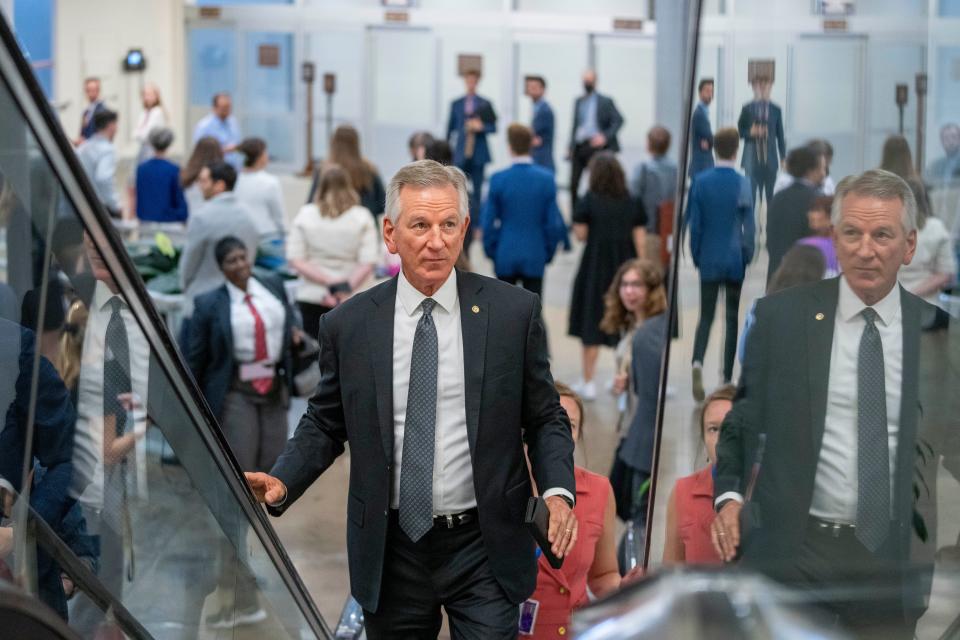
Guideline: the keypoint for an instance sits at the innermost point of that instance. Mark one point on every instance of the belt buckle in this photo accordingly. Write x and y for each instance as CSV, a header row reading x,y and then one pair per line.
x,y
449,519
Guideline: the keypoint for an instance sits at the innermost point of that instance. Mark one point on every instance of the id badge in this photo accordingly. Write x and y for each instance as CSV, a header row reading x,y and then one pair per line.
x,y
255,371
528,617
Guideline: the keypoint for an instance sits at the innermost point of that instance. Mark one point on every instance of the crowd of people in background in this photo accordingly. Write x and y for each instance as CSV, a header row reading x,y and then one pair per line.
x,y
231,206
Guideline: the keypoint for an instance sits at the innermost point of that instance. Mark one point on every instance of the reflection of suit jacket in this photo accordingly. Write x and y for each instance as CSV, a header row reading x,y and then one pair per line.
x,y
609,121
508,395
752,113
700,131
86,118
783,393
787,221
482,108
647,351
542,126
210,350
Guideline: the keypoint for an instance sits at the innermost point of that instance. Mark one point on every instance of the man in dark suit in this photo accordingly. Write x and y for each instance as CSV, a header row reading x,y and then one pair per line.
x,y
472,117
761,127
822,442
787,215
701,135
542,125
438,483
596,123
91,88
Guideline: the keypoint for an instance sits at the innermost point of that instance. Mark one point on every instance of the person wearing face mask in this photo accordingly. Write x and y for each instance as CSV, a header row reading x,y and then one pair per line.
x,y
690,509
596,123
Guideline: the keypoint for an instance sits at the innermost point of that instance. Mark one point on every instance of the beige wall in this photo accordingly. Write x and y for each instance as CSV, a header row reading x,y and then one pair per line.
x,y
91,38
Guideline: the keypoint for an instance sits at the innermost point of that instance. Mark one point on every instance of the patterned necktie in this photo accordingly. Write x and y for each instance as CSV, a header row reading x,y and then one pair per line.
x,y
416,472
116,367
873,459
260,385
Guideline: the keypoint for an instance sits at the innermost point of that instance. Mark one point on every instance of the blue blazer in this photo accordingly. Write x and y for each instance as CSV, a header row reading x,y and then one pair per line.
x,y
521,221
700,131
749,115
458,122
210,346
542,126
720,216
159,194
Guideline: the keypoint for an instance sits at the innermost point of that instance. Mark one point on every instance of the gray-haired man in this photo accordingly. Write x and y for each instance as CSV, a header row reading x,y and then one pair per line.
x,y
436,378
822,440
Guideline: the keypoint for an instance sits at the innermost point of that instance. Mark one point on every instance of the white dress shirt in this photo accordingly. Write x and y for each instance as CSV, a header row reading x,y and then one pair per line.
x,y
453,490
835,487
242,324
88,466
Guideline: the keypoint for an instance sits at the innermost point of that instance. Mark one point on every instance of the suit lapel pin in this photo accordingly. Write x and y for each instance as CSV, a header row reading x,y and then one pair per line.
x,y
475,309
819,316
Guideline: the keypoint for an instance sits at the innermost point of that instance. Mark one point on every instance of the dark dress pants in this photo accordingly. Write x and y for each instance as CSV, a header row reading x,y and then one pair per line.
x,y
474,173
708,305
311,314
579,160
861,593
446,568
534,285
763,179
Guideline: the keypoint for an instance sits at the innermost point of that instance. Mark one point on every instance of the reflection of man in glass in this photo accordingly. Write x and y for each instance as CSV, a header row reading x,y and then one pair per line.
x,y
110,424
761,127
816,459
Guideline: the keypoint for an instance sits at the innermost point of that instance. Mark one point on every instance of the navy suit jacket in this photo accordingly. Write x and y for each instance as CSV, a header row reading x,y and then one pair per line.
x,y
700,131
521,221
87,130
775,142
509,399
720,217
609,121
542,126
210,347
458,122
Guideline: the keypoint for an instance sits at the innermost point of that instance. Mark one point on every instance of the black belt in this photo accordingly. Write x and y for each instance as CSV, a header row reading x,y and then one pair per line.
x,y
454,520
831,528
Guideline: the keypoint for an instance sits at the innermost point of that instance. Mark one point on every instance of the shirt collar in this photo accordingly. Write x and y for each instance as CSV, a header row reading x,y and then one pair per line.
x,y
410,298
236,293
522,160
849,305
102,296
730,164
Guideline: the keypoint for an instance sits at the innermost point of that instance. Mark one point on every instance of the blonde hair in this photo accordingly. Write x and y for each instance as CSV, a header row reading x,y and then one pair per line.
x,y
71,343
335,194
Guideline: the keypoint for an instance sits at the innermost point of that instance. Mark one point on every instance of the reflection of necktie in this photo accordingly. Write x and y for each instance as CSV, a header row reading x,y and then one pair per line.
x,y
260,385
116,367
873,451
416,472
470,143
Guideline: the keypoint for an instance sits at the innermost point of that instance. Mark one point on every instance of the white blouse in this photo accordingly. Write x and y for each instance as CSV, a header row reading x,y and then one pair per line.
x,y
335,245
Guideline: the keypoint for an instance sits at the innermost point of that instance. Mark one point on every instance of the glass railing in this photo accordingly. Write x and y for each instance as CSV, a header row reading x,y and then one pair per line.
x,y
874,549
107,442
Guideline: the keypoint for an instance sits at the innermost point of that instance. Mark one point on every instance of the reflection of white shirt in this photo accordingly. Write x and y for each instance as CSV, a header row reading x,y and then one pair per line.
x,y
835,486
88,441
934,255
242,324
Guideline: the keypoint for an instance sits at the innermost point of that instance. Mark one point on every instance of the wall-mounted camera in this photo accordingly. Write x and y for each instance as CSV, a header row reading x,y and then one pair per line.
x,y
134,61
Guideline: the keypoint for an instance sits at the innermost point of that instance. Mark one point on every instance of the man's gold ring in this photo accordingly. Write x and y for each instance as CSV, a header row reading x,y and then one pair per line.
x,y
568,530
721,534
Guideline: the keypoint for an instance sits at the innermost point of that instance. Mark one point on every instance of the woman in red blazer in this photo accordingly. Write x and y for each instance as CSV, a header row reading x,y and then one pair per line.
x,y
593,560
690,510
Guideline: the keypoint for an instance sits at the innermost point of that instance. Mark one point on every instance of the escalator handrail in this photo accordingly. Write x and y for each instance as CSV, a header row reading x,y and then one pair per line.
x,y
17,600
45,126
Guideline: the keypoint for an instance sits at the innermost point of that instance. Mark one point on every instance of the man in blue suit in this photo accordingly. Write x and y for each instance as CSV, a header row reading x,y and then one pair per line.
x,y
542,125
720,217
761,127
521,221
701,136
471,117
